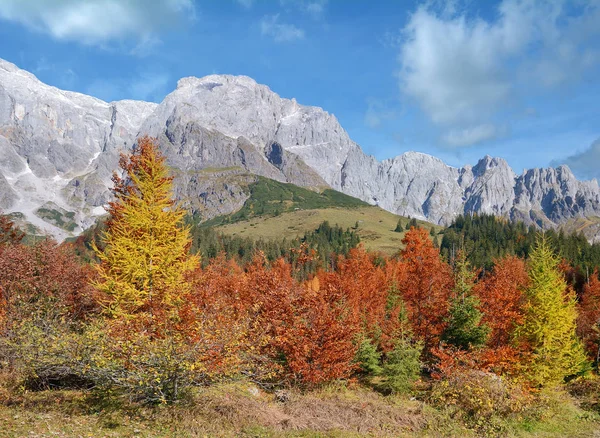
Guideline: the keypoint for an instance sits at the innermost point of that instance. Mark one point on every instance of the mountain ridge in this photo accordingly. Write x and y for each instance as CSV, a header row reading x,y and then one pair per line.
x,y
58,150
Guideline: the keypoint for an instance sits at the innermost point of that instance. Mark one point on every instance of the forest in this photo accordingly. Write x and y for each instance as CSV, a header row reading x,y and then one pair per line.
x,y
482,327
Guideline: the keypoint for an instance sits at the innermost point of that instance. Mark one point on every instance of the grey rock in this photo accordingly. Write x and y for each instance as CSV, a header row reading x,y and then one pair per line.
x,y
219,132
8,197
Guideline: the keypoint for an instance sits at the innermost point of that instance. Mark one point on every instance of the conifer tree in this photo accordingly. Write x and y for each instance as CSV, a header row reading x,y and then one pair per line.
x,y
465,329
399,228
146,256
550,321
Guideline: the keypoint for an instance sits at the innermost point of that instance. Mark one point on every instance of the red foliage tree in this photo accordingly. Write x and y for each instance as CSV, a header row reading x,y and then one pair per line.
x,y
41,278
9,233
588,322
425,282
366,288
501,297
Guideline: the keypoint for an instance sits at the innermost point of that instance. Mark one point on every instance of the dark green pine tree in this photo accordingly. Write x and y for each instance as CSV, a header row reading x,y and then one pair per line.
x,y
399,228
464,329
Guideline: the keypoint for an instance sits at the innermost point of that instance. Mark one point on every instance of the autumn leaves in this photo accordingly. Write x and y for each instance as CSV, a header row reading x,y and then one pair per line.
x,y
149,322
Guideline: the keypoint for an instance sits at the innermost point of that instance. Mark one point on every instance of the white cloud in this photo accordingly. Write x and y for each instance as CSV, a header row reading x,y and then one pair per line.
x,y
246,3
313,8
585,164
146,86
462,70
470,136
97,22
280,32
316,8
377,112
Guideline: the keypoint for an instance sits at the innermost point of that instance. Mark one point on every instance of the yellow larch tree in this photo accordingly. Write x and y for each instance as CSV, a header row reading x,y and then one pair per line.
x,y
146,255
550,321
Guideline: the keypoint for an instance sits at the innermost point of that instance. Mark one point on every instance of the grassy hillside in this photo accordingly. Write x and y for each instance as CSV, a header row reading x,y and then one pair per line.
x,y
277,210
375,225
272,198
589,226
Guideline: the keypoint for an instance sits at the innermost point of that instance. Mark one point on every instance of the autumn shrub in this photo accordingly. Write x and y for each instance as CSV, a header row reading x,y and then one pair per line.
x,y
588,321
501,293
587,391
43,278
51,354
227,323
46,298
146,370
318,345
484,401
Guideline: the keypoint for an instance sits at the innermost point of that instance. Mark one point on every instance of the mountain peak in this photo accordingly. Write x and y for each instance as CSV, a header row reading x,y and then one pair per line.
x,y
58,150
216,80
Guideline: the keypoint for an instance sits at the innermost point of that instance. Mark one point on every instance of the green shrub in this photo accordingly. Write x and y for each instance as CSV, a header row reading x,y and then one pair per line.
x,y
368,358
401,367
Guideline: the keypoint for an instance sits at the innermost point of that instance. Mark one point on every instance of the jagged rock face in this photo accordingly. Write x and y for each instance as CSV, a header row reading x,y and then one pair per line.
x,y
225,121
52,140
412,184
60,148
489,187
8,197
554,195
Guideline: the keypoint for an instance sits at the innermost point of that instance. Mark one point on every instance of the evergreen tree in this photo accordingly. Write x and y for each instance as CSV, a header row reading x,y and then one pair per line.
x,y
368,358
465,329
399,227
550,321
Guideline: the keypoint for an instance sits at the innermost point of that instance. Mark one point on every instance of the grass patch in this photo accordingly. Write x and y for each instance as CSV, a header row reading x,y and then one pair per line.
x,y
375,225
272,198
242,409
57,216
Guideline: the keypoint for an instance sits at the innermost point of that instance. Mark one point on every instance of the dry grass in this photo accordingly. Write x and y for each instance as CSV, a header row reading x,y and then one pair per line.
x,y
589,226
228,410
375,226
243,410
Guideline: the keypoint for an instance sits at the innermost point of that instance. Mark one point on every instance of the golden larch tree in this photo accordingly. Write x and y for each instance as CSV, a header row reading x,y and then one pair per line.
x,y
550,321
146,259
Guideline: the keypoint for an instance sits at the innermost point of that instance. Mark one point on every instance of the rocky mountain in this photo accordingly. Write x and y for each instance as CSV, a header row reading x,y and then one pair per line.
x,y
58,150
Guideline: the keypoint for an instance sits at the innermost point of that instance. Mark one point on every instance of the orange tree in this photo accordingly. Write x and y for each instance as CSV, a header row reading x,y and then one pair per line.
x,y
425,283
588,323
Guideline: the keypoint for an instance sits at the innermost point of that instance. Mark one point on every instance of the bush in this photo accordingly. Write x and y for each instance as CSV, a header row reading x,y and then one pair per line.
x,y
48,354
401,367
368,358
484,401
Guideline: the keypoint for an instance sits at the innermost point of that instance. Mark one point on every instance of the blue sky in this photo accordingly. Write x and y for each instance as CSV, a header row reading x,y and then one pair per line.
x,y
518,79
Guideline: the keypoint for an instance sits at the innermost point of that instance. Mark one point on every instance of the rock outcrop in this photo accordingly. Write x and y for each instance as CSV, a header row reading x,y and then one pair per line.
x,y
60,148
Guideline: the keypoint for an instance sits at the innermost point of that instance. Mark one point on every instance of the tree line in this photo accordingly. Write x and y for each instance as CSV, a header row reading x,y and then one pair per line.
x,y
149,320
